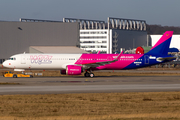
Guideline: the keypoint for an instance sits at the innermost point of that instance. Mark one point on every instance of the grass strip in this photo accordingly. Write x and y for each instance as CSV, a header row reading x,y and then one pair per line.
x,y
86,106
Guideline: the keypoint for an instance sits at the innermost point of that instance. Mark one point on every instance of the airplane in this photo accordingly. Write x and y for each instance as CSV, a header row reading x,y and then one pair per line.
x,y
76,64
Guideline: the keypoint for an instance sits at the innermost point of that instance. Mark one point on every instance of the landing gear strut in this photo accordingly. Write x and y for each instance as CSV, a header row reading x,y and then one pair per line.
x,y
87,74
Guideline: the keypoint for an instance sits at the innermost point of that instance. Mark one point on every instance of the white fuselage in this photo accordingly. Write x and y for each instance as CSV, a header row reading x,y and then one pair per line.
x,y
41,61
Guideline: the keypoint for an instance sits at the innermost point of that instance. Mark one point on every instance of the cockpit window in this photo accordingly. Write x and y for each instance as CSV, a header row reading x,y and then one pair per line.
x,y
12,59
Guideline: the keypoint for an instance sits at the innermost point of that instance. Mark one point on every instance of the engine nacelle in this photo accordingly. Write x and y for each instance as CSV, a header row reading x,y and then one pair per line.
x,y
72,70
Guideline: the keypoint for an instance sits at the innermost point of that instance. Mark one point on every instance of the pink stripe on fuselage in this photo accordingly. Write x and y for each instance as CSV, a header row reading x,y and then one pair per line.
x,y
123,61
165,36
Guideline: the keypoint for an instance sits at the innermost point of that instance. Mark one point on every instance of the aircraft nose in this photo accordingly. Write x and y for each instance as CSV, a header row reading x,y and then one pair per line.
x,y
5,64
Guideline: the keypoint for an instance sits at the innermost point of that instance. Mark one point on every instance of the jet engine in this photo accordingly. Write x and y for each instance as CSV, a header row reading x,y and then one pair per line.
x,y
72,70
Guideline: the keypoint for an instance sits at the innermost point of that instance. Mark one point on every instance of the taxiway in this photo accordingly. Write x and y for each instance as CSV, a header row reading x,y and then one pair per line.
x,y
79,84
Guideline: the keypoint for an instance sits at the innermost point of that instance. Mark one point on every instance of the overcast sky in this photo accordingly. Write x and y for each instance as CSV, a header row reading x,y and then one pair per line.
x,y
161,12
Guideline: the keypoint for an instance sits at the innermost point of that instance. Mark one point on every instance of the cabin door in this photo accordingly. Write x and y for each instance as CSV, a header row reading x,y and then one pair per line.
x,y
146,59
23,59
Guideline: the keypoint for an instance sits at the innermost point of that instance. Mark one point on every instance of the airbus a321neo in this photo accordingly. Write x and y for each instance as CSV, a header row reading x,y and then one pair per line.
x,y
75,64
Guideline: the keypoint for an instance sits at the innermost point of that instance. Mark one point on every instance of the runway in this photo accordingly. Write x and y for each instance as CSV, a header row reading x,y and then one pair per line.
x,y
79,84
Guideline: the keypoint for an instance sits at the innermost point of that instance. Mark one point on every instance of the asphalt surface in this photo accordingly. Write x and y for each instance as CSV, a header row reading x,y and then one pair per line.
x,y
79,84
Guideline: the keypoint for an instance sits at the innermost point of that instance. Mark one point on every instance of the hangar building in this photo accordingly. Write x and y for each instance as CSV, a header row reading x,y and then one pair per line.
x,y
175,41
32,35
111,37
17,37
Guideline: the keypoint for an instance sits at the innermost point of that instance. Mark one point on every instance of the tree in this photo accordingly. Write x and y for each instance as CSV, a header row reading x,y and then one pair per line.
x,y
158,29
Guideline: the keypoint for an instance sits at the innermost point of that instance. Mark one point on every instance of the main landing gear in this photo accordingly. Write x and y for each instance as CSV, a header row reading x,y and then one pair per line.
x,y
87,74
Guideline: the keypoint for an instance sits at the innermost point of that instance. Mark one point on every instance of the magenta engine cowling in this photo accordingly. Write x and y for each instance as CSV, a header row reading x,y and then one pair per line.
x,y
72,70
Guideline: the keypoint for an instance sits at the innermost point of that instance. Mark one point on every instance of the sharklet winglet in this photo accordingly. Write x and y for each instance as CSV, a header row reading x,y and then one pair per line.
x,y
118,56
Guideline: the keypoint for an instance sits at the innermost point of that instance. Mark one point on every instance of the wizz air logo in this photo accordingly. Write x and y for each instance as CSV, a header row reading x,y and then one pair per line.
x,y
41,59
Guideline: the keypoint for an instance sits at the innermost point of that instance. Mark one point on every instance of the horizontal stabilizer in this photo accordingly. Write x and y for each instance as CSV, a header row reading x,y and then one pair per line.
x,y
160,59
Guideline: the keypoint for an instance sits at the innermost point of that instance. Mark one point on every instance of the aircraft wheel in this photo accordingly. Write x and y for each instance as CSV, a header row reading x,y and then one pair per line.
x,y
86,74
14,76
91,75
31,76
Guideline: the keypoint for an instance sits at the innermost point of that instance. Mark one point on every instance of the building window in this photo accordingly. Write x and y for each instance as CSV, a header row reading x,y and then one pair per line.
x,y
93,37
93,41
84,32
103,46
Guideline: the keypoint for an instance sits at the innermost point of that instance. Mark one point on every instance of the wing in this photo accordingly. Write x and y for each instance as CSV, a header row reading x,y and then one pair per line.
x,y
97,64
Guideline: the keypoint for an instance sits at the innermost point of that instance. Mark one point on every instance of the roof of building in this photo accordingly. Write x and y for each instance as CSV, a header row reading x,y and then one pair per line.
x,y
55,49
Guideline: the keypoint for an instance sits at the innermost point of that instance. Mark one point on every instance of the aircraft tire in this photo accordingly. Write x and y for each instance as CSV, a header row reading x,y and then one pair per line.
x,y
86,74
31,76
91,75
